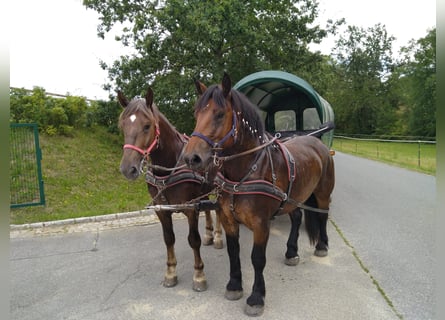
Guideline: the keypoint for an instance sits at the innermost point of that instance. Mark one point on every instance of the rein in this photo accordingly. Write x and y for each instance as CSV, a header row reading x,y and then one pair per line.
x,y
262,146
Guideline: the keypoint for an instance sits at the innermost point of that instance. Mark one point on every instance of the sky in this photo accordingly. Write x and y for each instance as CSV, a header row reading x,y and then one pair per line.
x,y
53,43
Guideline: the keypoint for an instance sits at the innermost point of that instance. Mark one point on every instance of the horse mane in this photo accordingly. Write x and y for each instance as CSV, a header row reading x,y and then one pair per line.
x,y
246,111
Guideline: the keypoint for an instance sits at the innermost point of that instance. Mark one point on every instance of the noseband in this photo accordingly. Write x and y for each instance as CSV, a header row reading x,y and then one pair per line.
x,y
218,145
146,152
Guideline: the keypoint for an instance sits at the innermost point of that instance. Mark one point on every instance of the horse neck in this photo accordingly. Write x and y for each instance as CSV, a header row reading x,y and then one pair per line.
x,y
237,168
170,145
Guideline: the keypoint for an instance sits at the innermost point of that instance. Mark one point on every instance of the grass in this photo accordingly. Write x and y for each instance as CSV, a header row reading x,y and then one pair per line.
x,y
405,155
81,177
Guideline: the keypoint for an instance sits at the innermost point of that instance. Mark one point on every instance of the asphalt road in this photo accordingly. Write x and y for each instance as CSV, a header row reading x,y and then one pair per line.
x,y
387,215
384,213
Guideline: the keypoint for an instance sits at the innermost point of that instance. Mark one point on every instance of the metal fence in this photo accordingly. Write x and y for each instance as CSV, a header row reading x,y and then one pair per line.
x,y
415,153
26,183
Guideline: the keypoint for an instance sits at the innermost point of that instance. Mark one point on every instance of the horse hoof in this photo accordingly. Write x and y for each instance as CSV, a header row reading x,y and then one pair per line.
x,y
207,241
254,311
200,286
170,282
321,253
218,244
292,261
233,295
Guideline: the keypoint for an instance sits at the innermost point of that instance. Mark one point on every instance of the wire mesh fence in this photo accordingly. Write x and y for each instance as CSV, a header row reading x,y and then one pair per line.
x,y
26,183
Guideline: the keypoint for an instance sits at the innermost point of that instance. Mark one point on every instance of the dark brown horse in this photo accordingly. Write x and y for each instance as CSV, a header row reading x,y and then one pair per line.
x,y
258,177
152,142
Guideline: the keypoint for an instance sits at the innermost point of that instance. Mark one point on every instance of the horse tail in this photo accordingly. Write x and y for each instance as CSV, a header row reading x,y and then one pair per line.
x,y
313,220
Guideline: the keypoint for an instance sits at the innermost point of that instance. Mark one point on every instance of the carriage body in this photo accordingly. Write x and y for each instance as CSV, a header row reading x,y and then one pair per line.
x,y
287,104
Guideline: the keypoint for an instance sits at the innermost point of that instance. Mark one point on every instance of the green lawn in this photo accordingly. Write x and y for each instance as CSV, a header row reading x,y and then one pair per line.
x,y
402,154
81,177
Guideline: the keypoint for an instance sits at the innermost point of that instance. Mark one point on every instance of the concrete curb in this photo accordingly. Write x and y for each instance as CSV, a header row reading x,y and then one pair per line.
x,y
87,224
100,218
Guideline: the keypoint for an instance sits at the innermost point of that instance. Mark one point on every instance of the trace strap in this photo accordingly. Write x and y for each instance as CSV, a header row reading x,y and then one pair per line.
x,y
149,149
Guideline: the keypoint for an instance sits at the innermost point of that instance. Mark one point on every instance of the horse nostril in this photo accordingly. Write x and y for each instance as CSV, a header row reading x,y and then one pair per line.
x,y
193,160
134,171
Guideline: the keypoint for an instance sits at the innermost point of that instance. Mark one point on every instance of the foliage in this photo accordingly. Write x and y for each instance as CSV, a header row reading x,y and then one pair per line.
x,y
183,40
362,64
106,113
53,115
418,78
60,116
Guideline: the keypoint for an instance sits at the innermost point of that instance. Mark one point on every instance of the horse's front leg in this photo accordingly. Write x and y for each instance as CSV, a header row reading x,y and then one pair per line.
x,y
255,302
234,288
199,279
170,278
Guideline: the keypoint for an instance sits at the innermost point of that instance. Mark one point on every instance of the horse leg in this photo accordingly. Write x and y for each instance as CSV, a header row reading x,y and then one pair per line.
x,y
208,237
292,257
255,302
321,249
316,226
234,288
217,241
194,239
170,278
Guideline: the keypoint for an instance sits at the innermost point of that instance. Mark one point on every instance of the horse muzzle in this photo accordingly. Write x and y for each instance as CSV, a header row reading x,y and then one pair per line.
x,y
130,172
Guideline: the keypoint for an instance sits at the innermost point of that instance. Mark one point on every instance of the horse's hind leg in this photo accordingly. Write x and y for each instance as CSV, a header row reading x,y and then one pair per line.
x,y
213,235
292,257
316,225
218,241
208,237
199,279
170,278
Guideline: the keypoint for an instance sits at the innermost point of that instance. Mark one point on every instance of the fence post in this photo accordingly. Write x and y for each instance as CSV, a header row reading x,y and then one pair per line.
x,y
418,154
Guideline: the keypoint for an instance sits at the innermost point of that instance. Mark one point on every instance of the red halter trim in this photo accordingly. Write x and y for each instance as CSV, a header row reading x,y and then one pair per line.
x,y
150,148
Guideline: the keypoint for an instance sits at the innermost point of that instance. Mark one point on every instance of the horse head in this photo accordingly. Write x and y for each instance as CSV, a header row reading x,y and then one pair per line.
x,y
139,124
216,124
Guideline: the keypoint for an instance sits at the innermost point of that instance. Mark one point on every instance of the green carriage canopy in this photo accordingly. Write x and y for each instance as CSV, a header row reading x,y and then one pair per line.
x,y
287,103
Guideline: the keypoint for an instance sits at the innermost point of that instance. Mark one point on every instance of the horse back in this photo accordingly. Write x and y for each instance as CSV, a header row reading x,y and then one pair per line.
x,y
314,166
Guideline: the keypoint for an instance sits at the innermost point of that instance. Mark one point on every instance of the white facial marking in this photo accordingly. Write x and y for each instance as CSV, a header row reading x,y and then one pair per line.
x,y
132,118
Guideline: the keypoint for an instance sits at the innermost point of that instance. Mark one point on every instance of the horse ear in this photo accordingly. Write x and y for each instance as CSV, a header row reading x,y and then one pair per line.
x,y
200,87
149,102
149,97
121,98
226,85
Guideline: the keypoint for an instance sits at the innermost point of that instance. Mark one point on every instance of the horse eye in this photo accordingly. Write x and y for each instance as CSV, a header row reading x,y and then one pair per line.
x,y
146,128
219,115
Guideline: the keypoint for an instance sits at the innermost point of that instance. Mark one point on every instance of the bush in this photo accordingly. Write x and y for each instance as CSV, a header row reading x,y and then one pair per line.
x,y
60,116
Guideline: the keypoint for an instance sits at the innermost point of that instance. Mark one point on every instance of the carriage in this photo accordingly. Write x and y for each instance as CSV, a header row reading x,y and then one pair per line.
x,y
288,104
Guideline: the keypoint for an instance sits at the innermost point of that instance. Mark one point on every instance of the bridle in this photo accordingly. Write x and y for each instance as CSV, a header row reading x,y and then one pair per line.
x,y
146,153
218,145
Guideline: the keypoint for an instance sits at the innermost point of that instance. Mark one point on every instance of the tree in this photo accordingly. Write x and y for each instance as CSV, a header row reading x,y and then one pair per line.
x,y
361,95
182,40
418,73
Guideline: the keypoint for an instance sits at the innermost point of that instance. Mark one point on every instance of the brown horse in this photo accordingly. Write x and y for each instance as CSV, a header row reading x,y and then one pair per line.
x,y
150,136
258,177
